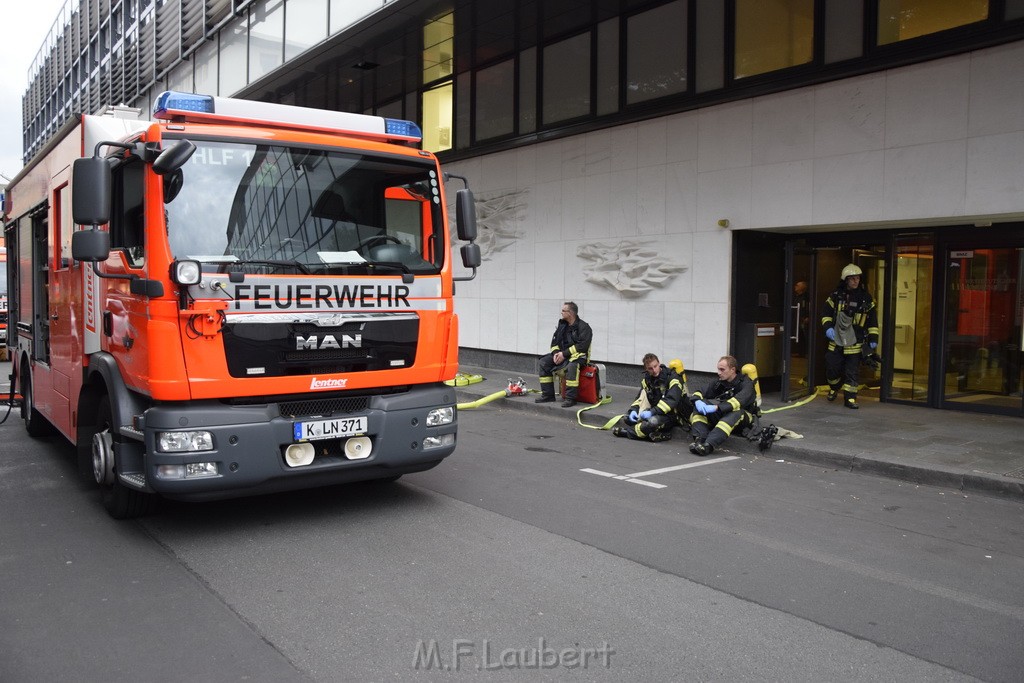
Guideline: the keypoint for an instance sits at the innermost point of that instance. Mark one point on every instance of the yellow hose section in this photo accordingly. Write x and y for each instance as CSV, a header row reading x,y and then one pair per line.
x,y
482,401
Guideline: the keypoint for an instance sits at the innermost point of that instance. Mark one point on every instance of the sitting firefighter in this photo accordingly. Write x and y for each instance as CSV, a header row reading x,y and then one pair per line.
x,y
726,406
656,409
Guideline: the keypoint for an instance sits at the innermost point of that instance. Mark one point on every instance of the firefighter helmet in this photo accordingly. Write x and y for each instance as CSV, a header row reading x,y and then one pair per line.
x,y
851,270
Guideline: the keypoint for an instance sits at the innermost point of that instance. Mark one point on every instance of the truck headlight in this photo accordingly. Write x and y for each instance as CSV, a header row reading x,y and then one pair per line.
x,y
440,416
184,442
186,272
432,442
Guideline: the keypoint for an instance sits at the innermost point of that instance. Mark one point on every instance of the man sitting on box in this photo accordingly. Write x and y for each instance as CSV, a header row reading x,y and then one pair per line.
x,y
570,348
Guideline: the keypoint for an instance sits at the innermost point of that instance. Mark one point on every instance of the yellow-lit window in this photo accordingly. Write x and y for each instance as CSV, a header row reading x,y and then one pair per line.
x,y
437,118
438,61
773,35
438,48
904,19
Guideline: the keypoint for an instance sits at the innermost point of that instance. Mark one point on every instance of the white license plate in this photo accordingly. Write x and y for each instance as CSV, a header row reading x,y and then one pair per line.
x,y
329,429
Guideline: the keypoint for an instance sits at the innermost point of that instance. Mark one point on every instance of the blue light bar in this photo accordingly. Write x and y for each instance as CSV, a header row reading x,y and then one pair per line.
x,y
188,107
169,102
405,129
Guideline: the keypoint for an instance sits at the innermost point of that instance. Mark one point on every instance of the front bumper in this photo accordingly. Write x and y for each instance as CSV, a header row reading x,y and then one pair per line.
x,y
249,443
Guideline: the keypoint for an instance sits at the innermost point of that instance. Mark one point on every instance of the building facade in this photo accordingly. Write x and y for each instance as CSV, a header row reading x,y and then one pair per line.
x,y
675,167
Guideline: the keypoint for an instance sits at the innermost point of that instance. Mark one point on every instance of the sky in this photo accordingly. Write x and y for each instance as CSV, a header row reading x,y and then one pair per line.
x,y
25,28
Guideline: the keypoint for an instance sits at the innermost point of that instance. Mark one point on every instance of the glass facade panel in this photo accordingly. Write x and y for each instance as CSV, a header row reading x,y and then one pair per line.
x,y
495,100
344,13
709,37
438,48
305,25
912,333
206,69
1014,9
233,58
437,118
266,38
773,35
528,90
984,307
462,103
656,53
904,19
608,67
566,79
844,28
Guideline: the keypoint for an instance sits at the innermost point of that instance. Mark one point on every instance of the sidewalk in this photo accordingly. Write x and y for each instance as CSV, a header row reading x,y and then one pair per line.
x,y
969,452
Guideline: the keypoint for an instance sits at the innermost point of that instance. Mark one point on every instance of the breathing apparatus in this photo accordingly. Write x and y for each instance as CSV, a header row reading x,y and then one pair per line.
x,y
765,436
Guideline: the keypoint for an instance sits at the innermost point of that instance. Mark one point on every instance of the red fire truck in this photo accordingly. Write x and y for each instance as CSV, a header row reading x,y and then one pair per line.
x,y
236,298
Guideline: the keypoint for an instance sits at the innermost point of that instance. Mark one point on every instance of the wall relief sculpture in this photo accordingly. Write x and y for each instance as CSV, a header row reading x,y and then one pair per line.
x,y
630,267
496,217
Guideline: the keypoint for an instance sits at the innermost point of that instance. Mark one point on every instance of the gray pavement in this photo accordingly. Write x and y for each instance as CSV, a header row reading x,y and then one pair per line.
x,y
968,452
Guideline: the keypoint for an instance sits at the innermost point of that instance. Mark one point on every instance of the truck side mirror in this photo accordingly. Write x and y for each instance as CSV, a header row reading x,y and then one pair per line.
x,y
471,255
90,245
174,157
91,183
465,215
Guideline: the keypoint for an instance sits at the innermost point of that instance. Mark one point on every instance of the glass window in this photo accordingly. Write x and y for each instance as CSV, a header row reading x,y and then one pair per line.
x,y
561,16
266,38
437,118
773,36
233,58
844,23
305,25
438,48
462,111
344,13
495,100
709,35
608,67
656,53
64,226
298,209
566,79
912,333
206,68
528,90
904,19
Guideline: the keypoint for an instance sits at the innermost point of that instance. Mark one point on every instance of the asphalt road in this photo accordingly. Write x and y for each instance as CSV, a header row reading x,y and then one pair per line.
x,y
509,561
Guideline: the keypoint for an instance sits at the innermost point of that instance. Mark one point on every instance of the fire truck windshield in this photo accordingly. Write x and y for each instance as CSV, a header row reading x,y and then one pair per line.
x,y
263,208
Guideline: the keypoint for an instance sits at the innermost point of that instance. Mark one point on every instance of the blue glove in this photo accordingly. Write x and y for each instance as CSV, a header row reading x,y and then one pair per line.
x,y
700,406
831,333
632,417
874,345
709,408
646,415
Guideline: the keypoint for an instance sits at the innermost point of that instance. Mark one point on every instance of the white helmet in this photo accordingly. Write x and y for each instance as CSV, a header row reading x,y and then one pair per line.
x,y
851,270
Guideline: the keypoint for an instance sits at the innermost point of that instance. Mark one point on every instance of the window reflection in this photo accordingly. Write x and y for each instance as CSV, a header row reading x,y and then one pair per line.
x,y
773,36
904,19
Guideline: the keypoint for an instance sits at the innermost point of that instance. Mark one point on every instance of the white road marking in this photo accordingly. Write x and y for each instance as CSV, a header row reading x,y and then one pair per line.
x,y
633,478
683,467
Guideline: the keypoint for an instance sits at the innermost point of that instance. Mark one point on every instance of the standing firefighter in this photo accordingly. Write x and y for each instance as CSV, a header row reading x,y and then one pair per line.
x,y
655,411
850,320
570,348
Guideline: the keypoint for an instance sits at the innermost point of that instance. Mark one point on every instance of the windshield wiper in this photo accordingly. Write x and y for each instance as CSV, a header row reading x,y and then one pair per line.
x,y
280,263
407,275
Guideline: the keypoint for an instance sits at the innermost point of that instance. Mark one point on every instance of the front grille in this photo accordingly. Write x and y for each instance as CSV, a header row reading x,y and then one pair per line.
x,y
320,356
324,406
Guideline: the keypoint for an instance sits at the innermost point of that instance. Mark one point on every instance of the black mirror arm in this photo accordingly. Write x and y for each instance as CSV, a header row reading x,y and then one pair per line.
x,y
138,285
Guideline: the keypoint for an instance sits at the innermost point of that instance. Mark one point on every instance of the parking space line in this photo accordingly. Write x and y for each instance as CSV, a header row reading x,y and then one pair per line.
x,y
621,477
683,467
634,478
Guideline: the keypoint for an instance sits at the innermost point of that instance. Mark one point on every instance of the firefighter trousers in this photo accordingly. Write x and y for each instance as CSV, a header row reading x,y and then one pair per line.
x,y
842,371
714,429
572,377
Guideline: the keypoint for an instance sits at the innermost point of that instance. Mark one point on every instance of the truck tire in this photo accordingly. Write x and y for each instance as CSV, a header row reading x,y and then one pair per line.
x,y
120,501
35,424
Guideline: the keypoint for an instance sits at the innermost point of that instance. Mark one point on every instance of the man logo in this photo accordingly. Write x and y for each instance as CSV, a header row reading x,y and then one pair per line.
x,y
314,343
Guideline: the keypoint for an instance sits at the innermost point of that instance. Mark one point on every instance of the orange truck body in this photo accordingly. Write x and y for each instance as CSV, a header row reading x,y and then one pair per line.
x,y
274,314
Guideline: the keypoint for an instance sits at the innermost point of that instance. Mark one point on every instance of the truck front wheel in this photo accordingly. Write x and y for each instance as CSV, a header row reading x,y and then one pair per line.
x,y
120,501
